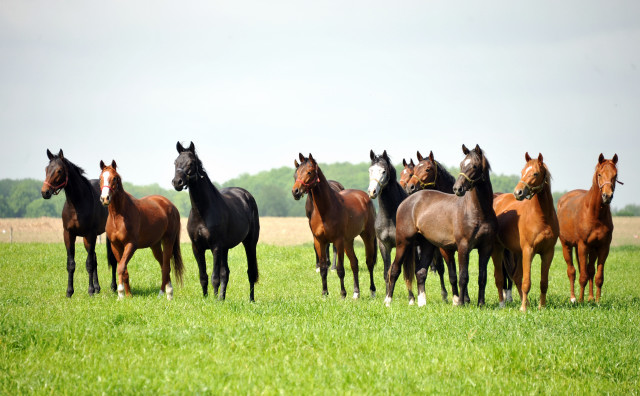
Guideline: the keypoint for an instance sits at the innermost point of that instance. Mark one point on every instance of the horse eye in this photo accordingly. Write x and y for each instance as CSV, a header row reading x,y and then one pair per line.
x,y
309,173
384,171
536,174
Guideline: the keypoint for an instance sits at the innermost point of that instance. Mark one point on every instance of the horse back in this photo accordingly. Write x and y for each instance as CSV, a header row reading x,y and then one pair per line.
x,y
158,218
578,222
431,213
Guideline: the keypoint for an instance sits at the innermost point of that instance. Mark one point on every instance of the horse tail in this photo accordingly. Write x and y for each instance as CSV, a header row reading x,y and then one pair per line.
x,y
252,241
509,266
111,258
178,265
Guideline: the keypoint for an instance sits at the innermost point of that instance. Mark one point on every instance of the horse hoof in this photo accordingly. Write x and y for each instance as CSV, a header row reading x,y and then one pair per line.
x,y
573,300
509,296
422,300
523,309
387,301
412,301
160,294
356,296
456,301
373,294
502,304
318,269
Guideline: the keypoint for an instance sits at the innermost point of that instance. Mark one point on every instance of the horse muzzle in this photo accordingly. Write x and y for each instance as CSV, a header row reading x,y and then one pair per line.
x,y
105,200
179,184
607,198
297,193
520,194
46,194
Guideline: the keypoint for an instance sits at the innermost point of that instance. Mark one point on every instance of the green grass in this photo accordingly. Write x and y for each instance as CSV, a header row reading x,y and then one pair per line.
x,y
294,341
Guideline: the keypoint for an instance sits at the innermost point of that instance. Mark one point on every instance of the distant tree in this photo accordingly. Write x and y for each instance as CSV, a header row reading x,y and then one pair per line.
x,y
628,211
45,207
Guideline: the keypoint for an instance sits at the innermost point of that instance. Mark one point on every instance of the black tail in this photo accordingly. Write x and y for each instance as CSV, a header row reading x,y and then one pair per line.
x,y
178,265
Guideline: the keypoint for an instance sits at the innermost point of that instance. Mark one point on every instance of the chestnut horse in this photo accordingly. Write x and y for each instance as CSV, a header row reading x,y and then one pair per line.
x,y
133,224
406,174
461,222
82,216
219,220
527,225
338,217
586,225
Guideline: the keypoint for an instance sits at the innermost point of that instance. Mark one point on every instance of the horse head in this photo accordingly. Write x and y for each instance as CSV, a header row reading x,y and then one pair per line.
x,y
425,174
606,177
406,174
474,169
188,167
56,175
534,176
380,172
306,176
110,182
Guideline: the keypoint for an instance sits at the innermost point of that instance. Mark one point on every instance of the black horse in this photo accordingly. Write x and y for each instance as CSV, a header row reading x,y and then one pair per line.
x,y
219,220
82,216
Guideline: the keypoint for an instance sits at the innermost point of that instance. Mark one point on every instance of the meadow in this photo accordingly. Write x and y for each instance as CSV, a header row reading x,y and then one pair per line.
x,y
292,340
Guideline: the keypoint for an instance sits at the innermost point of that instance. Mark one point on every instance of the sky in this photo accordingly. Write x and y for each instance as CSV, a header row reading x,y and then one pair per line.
x,y
254,83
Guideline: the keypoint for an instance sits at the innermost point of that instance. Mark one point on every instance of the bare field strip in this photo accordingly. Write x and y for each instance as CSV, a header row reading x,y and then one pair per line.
x,y
279,231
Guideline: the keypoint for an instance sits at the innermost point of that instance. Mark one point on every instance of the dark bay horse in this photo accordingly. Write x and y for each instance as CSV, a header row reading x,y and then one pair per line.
x,y
383,185
461,222
338,217
219,220
527,225
150,222
82,216
586,225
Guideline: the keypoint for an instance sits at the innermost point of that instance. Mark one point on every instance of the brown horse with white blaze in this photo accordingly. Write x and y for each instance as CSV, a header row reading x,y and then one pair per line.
x,y
527,225
338,217
133,224
586,225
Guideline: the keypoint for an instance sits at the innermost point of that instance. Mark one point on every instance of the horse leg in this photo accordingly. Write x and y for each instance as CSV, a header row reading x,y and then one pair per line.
x,y
167,252
321,252
339,244
215,274
252,265
498,273
123,275
484,253
546,259
353,260
449,258
199,254
158,255
335,255
224,273
463,265
439,264
422,269
591,270
70,243
583,256
385,252
603,253
402,247
91,263
567,252
113,264
370,254
409,267
527,258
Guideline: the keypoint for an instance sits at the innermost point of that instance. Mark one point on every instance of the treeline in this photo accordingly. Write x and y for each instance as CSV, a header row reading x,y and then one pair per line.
x,y
271,189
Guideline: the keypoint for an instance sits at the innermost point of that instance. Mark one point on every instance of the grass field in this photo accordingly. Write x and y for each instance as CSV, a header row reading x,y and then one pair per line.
x,y
293,341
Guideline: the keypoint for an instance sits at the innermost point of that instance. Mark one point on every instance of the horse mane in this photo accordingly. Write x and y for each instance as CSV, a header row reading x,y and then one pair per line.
x,y
387,164
70,165
485,162
443,173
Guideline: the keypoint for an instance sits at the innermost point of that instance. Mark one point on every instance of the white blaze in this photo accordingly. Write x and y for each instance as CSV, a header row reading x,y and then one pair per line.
x,y
467,162
105,189
375,178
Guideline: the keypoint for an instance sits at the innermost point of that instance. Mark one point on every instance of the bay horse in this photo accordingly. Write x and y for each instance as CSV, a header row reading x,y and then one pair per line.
x,y
586,225
150,222
406,173
461,222
527,225
308,209
338,217
429,174
82,216
218,221
383,185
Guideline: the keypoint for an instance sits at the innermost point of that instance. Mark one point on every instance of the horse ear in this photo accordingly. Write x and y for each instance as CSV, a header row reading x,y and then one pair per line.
x,y
61,154
540,158
102,165
404,162
372,155
601,158
302,159
478,149
527,157
615,158
192,148
295,162
412,164
179,148
465,150
385,155
420,158
49,155
113,164
311,158
431,157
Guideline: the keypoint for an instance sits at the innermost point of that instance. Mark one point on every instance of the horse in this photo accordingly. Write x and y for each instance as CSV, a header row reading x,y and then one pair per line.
x,y
308,209
406,173
219,220
383,184
338,217
82,216
461,222
430,174
586,225
150,222
527,225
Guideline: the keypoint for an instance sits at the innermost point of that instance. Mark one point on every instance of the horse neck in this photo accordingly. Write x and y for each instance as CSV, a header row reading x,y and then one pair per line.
x,y
203,194
390,198
121,202
445,181
78,188
323,196
544,200
481,196
596,208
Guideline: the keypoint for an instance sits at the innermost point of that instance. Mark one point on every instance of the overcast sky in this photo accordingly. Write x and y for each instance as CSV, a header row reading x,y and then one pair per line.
x,y
252,84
